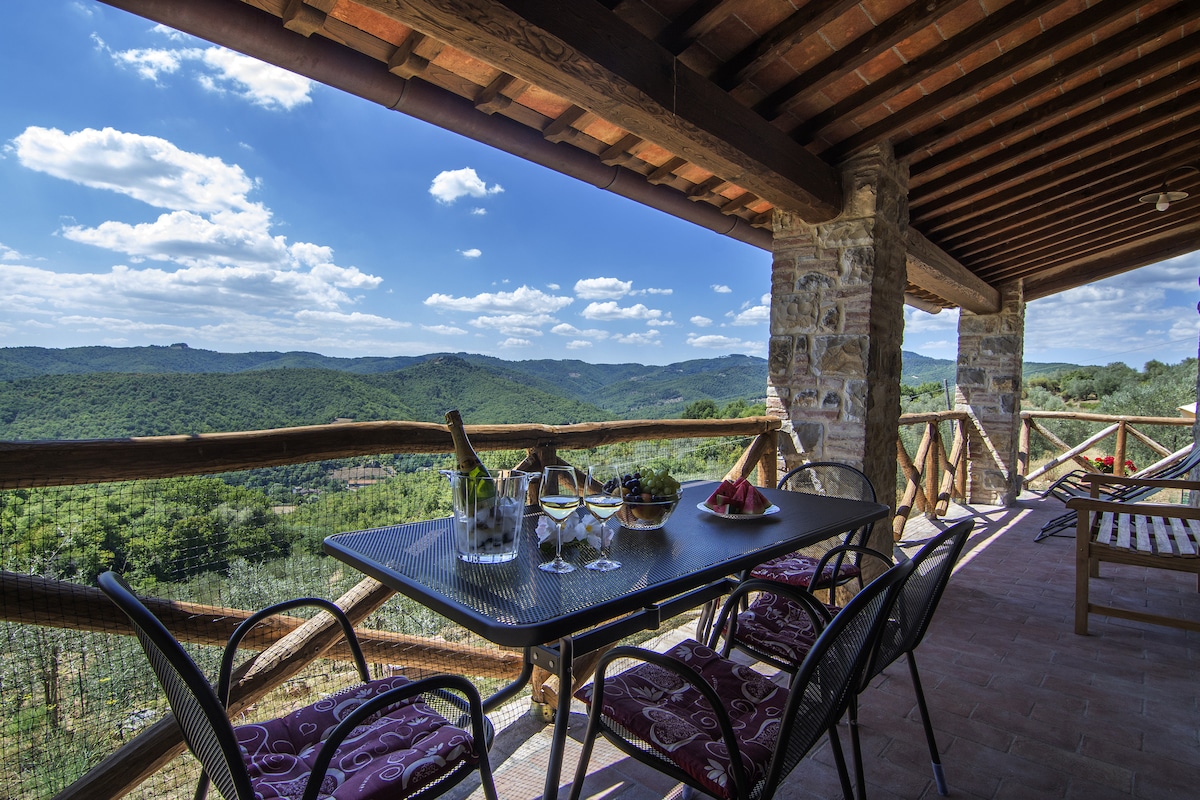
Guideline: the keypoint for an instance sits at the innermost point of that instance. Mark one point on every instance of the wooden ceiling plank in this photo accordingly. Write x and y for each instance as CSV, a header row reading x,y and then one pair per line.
x,y
1005,222
994,26
700,18
1064,137
879,38
1081,25
803,23
580,51
1143,253
1131,38
1058,165
936,272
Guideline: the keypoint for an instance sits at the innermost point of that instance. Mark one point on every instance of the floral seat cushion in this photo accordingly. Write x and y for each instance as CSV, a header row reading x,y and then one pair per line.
x,y
779,627
404,748
798,570
657,706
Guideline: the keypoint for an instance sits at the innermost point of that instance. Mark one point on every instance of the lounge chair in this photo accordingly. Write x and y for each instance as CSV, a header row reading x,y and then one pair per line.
x,y
1174,467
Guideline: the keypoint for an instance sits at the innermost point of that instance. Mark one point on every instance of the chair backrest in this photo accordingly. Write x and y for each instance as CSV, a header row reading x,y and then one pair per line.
x,y
202,718
828,677
833,479
919,597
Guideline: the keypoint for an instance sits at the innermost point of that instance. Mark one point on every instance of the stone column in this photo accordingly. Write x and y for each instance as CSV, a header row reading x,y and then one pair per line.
x,y
837,319
990,350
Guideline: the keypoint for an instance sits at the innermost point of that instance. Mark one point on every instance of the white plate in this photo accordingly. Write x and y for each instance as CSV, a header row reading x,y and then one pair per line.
x,y
771,509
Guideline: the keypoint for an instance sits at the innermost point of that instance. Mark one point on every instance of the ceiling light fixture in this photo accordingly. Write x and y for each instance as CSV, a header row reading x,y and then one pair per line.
x,y
1163,198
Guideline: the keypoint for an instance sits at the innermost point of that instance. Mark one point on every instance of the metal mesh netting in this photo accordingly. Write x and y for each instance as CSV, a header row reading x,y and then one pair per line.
x,y
73,691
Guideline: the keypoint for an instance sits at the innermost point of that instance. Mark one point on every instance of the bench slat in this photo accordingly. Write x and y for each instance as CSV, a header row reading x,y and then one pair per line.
x,y
1183,542
1193,526
1105,532
1162,542
1143,535
1122,532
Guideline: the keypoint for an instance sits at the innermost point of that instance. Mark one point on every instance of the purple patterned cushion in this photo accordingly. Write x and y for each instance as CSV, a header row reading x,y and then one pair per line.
x,y
796,569
400,750
779,627
660,708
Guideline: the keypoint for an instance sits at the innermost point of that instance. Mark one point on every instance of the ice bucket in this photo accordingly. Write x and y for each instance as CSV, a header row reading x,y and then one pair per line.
x,y
488,514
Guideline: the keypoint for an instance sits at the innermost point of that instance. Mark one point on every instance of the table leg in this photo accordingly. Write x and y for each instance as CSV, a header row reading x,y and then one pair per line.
x,y
558,742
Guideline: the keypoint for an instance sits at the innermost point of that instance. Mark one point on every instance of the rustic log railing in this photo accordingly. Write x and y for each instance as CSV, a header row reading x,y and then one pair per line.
x,y
934,475
1120,426
288,645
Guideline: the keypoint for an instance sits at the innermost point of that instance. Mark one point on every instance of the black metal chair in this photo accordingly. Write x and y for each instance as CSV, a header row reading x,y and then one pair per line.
x,y
781,625
383,738
830,479
722,728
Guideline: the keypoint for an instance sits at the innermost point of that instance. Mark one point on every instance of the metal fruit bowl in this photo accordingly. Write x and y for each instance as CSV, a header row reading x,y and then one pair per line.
x,y
647,516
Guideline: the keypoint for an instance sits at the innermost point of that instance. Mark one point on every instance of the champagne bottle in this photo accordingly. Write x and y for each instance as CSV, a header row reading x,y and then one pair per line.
x,y
468,462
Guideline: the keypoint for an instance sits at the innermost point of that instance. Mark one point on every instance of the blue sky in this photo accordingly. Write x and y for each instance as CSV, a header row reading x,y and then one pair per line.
x,y
157,189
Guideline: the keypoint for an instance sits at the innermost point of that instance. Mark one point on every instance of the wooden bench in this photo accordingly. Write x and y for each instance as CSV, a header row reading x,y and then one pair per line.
x,y
1153,535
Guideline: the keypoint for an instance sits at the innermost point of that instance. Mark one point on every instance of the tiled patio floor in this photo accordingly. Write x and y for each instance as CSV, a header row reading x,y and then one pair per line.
x,y
1023,708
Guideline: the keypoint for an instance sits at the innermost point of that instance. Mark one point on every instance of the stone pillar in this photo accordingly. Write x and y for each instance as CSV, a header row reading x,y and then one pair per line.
x,y
837,320
990,350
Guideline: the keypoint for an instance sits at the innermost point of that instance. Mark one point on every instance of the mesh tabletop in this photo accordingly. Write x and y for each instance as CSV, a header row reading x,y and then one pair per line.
x,y
516,604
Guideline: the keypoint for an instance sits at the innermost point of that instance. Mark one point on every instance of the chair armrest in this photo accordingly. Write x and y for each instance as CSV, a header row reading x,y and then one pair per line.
x,y
741,779
436,683
226,674
1170,510
726,622
842,549
1096,479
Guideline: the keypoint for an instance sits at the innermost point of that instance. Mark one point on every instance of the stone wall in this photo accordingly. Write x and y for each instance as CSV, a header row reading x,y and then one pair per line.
x,y
990,350
837,322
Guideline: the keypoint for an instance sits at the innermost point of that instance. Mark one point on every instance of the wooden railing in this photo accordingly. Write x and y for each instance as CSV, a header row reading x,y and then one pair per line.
x,y
934,475
1121,427
289,645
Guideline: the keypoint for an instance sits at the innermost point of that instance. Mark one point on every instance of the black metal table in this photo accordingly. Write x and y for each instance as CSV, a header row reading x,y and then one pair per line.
x,y
552,616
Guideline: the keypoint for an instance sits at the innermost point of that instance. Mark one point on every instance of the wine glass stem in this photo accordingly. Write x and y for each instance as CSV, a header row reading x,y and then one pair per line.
x,y
558,544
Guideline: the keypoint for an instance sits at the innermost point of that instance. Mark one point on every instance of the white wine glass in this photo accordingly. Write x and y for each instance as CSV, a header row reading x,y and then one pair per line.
x,y
558,495
603,499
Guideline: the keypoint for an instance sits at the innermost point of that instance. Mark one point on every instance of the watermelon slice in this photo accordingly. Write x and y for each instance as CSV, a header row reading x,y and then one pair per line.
x,y
721,496
741,497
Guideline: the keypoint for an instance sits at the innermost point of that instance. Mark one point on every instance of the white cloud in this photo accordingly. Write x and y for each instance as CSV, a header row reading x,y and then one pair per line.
x,y
355,318
721,288
578,344
554,287
717,342
478,212
753,315
648,338
513,341
522,300
566,329
444,330
602,288
450,185
611,311
220,71
474,252
652,291
666,322
515,324
145,168
9,254
700,322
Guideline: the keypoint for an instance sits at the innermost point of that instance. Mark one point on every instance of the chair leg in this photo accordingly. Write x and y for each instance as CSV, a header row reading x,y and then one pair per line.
x,y
939,775
856,748
585,755
839,758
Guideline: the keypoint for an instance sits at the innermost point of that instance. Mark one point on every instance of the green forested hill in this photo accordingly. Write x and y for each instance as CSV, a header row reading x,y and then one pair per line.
x,y
104,405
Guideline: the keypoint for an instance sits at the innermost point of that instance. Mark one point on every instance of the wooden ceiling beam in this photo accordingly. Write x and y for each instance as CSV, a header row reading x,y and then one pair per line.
x,y
700,18
1130,77
1008,63
1148,106
1065,170
1025,218
1140,254
934,271
877,39
973,38
1093,57
801,24
582,52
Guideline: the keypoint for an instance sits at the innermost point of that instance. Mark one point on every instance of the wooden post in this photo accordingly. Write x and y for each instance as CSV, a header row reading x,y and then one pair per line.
x,y
1024,440
931,468
1119,458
